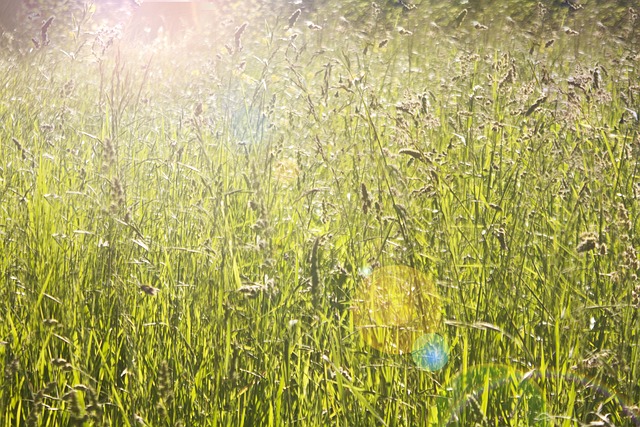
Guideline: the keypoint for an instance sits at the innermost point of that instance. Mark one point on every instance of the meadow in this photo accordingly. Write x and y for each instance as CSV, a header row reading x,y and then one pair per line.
x,y
344,213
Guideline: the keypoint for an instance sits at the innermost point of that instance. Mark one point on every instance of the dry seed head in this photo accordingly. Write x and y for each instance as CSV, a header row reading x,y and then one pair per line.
x,y
459,19
586,246
116,186
11,368
165,391
34,413
67,88
603,249
508,78
252,291
44,36
501,235
366,200
15,141
535,105
573,5
623,218
240,30
596,78
294,17
238,35
587,242
50,322
109,152
149,290
542,10
415,154
58,362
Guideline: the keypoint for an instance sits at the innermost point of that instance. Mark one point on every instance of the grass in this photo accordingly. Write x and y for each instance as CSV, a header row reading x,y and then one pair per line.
x,y
213,238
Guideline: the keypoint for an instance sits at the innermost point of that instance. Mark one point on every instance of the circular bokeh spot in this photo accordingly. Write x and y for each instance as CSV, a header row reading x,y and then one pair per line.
x,y
498,394
365,271
394,306
430,352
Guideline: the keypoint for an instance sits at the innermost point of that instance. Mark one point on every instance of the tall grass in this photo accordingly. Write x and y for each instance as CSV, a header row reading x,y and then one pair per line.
x,y
187,226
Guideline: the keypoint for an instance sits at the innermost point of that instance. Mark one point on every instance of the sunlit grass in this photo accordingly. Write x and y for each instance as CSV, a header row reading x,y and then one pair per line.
x,y
196,230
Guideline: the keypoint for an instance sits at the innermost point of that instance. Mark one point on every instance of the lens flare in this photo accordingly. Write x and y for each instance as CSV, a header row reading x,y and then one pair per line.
x,y
430,352
396,305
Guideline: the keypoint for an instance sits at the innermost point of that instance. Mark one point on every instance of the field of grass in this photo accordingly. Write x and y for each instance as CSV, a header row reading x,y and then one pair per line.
x,y
362,215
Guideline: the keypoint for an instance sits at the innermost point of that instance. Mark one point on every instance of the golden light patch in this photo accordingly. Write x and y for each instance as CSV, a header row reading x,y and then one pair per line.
x,y
394,306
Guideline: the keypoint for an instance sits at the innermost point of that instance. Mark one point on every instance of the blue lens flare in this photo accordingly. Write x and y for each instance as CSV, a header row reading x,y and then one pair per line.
x,y
430,352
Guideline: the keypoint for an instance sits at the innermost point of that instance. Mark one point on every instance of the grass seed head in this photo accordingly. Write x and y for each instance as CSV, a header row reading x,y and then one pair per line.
x,y
50,322
58,362
294,17
149,290
238,36
11,368
587,242
366,200
34,413
635,297
459,19
501,235
507,79
415,154
602,249
44,35
535,105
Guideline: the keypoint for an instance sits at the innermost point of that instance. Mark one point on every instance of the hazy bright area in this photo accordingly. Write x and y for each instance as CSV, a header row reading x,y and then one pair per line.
x,y
315,213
